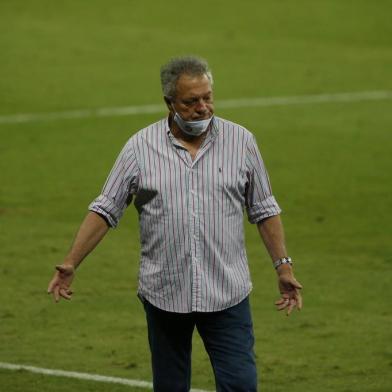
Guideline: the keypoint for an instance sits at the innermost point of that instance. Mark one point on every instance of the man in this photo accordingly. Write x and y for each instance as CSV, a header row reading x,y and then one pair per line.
x,y
192,175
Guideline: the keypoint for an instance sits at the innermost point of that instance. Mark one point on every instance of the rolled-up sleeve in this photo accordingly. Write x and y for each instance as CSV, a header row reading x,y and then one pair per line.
x,y
120,186
260,203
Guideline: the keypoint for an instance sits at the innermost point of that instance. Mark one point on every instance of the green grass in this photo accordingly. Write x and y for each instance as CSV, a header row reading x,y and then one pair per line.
x,y
329,165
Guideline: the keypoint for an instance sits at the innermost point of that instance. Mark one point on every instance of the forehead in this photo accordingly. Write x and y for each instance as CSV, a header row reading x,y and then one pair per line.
x,y
190,86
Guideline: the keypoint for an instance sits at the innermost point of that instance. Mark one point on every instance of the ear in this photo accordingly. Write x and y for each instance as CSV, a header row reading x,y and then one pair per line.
x,y
168,103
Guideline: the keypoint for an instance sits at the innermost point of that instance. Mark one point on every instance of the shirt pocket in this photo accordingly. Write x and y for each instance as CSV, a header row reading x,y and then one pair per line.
x,y
233,183
226,192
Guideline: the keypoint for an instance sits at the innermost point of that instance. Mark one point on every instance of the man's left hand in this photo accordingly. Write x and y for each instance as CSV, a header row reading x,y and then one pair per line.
x,y
289,289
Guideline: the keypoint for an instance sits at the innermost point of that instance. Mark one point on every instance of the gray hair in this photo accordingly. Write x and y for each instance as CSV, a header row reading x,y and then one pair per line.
x,y
177,66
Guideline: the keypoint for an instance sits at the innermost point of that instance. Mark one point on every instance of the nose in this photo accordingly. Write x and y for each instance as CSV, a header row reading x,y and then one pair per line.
x,y
201,106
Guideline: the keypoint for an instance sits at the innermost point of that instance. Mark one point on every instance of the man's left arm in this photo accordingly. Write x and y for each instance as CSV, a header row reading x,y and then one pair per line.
x,y
263,209
271,231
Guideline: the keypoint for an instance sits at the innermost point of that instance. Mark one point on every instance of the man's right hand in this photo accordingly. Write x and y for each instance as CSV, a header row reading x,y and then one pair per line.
x,y
59,286
91,232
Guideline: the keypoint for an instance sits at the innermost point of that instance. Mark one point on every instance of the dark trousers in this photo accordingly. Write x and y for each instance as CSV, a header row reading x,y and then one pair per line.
x,y
227,336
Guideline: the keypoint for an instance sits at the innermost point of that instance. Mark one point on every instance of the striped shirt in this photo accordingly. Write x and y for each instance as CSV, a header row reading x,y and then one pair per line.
x,y
193,256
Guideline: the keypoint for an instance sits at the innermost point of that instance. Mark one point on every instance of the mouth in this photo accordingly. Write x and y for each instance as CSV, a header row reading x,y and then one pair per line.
x,y
205,117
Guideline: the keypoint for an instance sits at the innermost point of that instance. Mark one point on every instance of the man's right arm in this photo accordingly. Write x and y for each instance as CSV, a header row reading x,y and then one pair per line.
x,y
106,210
91,232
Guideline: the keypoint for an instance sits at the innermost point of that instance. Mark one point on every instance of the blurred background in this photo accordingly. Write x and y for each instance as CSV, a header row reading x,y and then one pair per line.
x,y
78,78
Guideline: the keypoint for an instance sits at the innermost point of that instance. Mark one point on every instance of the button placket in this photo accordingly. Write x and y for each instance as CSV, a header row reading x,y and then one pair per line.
x,y
194,236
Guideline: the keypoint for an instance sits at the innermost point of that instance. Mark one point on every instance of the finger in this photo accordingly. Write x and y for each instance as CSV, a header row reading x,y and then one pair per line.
x,y
56,293
296,284
299,301
63,292
282,299
291,306
295,293
51,285
284,304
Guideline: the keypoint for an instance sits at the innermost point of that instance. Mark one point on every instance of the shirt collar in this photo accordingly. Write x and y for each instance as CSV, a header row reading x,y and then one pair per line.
x,y
212,132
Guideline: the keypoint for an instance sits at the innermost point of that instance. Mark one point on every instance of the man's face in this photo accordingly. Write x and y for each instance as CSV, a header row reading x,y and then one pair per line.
x,y
194,100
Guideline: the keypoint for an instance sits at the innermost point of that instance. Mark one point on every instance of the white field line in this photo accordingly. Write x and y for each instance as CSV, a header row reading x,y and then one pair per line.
x,y
82,376
224,104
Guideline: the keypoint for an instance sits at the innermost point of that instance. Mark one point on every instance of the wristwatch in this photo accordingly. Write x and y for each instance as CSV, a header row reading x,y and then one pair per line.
x,y
283,260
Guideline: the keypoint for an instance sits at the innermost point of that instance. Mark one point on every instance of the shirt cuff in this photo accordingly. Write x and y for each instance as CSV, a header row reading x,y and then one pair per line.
x,y
105,207
263,209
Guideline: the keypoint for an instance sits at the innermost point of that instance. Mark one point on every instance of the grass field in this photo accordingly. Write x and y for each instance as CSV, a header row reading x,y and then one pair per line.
x,y
330,166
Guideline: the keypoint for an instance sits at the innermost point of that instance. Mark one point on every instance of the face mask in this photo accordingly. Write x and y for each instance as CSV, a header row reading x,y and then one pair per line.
x,y
192,128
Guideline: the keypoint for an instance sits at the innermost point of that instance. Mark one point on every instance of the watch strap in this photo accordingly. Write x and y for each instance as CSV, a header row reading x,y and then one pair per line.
x,y
283,260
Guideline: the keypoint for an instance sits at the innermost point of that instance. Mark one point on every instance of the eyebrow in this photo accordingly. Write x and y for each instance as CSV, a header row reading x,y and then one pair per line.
x,y
198,96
